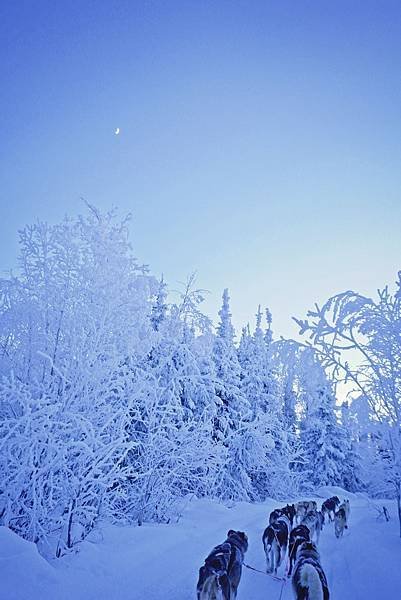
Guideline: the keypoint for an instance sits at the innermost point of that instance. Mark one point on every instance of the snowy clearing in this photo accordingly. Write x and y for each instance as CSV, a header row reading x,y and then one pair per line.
x,y
162,561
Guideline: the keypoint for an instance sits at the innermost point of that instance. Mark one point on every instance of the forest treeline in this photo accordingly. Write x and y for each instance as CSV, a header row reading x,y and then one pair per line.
x,y
117,404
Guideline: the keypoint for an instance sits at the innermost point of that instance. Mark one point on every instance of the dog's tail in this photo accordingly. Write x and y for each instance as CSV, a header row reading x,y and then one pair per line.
x,y
267,546
224,586
216,585
309,579
272,551
268,538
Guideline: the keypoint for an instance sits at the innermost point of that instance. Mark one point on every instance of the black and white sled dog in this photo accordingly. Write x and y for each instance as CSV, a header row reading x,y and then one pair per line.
x,y
220,575
340,520
302,507
298,536
329,507
288,511
309,580
275,540
314,522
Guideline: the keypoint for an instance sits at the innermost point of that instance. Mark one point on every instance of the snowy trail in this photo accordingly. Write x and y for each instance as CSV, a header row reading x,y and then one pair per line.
x,y
159,562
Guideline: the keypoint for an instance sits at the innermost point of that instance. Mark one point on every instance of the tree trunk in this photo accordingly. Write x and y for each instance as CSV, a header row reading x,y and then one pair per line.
x,y
398,494
69,528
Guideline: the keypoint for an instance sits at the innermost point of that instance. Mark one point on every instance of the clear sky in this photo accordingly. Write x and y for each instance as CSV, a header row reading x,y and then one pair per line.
x,y
260,142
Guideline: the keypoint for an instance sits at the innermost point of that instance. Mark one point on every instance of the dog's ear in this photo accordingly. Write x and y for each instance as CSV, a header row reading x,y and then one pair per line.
x,y
244,537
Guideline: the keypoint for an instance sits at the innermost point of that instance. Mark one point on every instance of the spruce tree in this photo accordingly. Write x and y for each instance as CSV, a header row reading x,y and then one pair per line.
x,y
322,438
159,309
233,405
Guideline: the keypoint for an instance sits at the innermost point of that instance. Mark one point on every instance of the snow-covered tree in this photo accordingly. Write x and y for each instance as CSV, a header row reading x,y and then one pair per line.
x,y
358,339
321,438
78,307
159,308
352,464
256,378
233,407
285,361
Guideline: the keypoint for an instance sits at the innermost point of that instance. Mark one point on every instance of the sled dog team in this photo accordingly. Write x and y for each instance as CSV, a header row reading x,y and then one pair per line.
x,y
296,526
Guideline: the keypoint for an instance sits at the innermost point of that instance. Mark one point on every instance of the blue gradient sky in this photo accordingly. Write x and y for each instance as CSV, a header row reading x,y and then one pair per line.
x,y
260,142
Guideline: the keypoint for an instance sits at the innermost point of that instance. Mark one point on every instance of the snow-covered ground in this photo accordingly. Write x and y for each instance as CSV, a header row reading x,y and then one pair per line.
x,y
161,562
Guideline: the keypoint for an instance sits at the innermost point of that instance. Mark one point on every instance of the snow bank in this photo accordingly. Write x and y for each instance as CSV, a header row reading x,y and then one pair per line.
x,y
326,491
24,573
